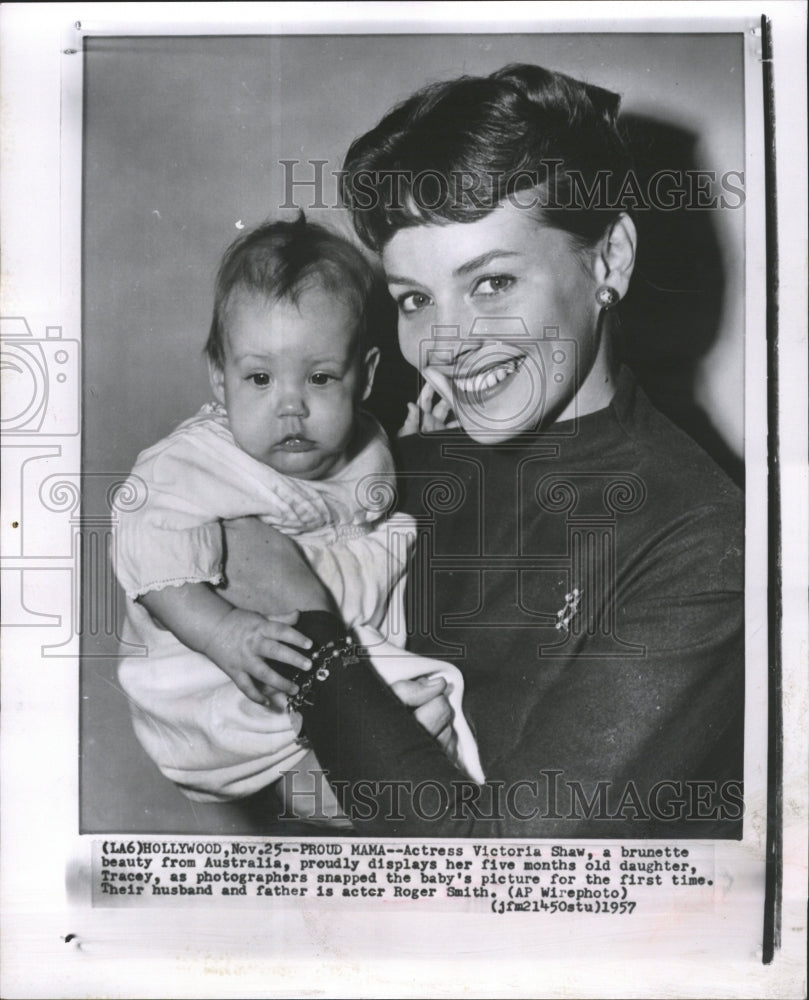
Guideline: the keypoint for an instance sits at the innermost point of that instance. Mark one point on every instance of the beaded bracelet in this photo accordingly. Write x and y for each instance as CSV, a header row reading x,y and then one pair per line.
x,y
337,652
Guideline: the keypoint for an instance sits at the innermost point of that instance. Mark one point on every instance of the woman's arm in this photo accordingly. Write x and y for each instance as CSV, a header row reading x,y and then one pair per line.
x,y
253,551
647,746
564,781
615,748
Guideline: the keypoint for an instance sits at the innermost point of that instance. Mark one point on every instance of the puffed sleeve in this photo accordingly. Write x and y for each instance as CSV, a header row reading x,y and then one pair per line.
x,y
172,537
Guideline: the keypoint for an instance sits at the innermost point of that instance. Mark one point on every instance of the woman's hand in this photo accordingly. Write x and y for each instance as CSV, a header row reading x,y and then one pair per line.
x,y
267,573
428,697
429,414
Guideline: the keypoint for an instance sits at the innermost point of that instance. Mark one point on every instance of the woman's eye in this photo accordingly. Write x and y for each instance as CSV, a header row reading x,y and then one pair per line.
x,y
493,285
259,378
413,301
322,378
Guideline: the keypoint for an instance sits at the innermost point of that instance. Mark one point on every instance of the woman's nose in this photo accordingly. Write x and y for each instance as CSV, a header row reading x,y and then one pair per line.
x,y
454,325
452,318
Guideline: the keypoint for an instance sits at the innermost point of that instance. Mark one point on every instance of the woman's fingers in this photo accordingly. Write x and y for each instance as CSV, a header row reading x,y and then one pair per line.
x,y
431,412
435,715
425,400
436,410
287,619
412,421
439,383
441,411
427,696
448,740
418,691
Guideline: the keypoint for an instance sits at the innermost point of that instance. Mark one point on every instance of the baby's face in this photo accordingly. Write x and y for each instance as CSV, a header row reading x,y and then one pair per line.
x,y
292,380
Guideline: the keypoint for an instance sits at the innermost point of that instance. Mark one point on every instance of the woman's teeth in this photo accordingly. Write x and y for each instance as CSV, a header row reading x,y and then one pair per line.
x,y
487,379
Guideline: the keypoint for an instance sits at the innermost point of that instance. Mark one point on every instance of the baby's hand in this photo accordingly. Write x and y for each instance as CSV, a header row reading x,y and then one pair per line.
x,y
244,639
427,415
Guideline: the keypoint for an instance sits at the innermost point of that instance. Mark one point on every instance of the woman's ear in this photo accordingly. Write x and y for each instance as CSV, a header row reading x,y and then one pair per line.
x,y
216,376
616,259
369,366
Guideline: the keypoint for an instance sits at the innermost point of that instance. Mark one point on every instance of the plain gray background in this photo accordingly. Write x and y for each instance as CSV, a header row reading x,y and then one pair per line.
x,y
183,139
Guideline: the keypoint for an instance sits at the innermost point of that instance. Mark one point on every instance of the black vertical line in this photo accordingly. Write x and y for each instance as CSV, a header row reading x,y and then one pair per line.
x,y
83,640
774,860
108,578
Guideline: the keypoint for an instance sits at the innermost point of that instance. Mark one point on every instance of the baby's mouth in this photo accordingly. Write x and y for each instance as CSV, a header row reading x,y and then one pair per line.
x,y
295,443
487,381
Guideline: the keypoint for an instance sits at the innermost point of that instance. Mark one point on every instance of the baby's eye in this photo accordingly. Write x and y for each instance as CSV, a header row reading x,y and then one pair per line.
x,y
322,378
259,378
494,284
411,302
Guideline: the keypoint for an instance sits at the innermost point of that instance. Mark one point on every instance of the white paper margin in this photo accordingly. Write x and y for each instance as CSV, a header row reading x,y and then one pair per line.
x,y
201,953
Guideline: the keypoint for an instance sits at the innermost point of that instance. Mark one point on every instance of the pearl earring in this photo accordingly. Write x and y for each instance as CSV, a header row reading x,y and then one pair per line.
x,y
606,296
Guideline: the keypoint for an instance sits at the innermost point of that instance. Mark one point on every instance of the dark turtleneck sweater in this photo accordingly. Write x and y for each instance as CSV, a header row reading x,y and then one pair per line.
x,y
588,582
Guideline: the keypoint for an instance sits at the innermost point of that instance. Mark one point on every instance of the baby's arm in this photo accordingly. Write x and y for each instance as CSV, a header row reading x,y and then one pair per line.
x,y
237,641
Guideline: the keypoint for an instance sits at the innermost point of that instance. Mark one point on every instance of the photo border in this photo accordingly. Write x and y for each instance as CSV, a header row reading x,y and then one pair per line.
x,y
65,305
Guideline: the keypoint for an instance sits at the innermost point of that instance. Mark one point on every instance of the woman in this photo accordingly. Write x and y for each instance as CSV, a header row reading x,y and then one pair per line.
x,y
580,558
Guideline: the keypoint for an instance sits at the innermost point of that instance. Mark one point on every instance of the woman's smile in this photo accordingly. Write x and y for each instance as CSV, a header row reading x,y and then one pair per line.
x,y
478,383
488,377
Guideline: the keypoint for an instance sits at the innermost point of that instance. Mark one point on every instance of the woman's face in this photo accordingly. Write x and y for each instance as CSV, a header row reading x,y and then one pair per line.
x,y
500,317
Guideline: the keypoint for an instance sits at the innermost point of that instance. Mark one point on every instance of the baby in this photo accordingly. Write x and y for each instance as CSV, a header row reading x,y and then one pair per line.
x,y
286,440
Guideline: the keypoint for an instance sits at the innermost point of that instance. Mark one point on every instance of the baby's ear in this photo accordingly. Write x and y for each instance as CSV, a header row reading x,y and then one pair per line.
x,y
216,375
369,366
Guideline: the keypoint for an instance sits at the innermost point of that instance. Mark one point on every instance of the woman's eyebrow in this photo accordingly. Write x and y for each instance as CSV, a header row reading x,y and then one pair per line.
x,y
397,279
470,265
483,260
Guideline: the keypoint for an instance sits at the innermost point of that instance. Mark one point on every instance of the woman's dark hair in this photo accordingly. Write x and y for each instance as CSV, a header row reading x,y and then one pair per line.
x,y
279,261
453,151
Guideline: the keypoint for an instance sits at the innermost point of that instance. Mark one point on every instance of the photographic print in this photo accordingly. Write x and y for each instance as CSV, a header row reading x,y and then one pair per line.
x,y
393,512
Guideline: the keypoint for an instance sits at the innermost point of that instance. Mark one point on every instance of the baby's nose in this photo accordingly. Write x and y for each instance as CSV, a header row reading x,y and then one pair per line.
x,y
291,403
